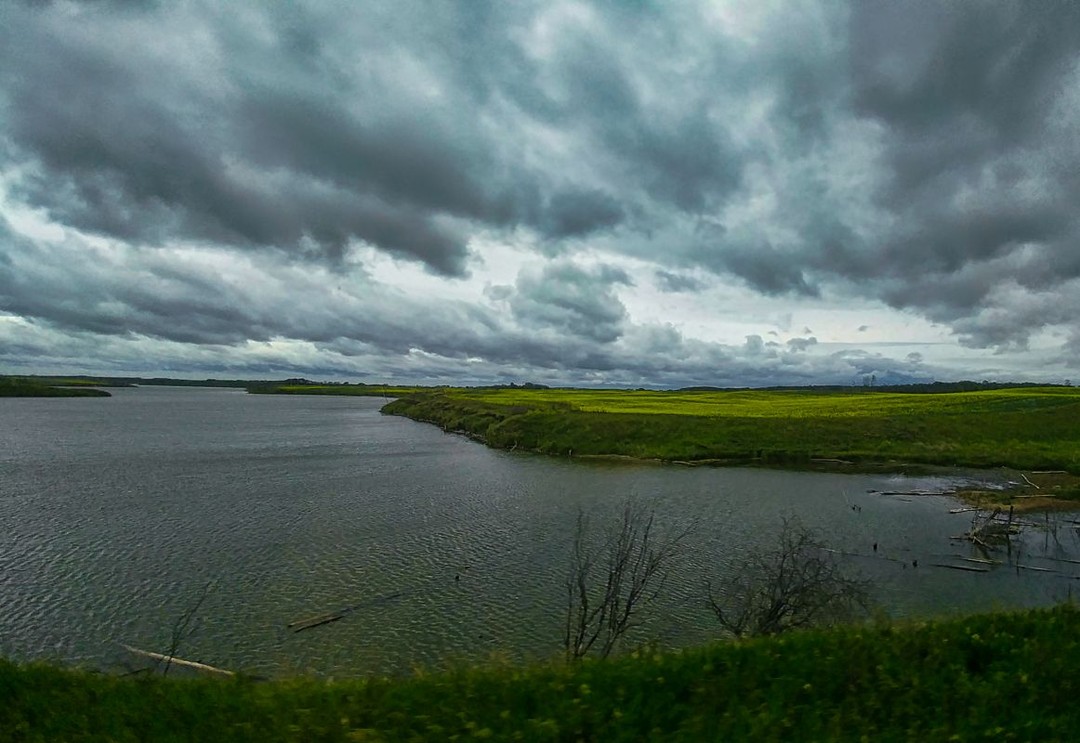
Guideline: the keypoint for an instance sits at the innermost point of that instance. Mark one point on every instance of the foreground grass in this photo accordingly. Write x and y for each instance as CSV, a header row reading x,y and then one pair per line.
x,y
1007,676
1028,428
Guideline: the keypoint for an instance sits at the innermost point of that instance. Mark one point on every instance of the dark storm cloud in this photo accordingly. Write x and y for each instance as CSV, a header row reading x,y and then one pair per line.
x,y
229,165
979,108
396,125
272,139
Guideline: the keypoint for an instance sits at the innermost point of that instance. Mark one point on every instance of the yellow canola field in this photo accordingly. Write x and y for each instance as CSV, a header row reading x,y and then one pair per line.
x,y
780,403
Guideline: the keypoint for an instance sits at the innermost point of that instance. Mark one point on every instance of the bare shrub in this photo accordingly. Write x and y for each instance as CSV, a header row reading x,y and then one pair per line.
x,y
610,583
794,584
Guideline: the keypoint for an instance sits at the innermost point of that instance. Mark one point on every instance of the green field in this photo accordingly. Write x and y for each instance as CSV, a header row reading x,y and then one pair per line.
x,y
990,677
1025,428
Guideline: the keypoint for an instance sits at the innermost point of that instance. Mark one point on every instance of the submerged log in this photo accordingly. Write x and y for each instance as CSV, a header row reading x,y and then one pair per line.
x,y
177,661
981,561
302,624
916,492
317,621
966,568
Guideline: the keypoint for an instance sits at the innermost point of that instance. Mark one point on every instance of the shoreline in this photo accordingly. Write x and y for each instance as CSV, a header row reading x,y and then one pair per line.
x,y
1055,490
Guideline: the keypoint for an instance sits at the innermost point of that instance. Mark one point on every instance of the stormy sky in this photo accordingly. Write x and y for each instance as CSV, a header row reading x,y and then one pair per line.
x,y
587,193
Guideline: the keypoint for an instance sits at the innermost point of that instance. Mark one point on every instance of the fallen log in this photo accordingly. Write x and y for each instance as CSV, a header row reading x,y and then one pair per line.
x,y
317,621
966,568
916,492
177,661
302,624
981,561
1061,559
1032,567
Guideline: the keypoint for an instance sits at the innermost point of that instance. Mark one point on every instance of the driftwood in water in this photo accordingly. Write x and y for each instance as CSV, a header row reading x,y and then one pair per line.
x,y
981,561
986,530
914,492
1032,567
317,621
1061,559
177,661
302,624
1029,482
966,568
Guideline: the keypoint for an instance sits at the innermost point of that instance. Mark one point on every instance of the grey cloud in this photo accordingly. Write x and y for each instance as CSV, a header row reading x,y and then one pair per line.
x,y
339,122
575,213
977,149
754,345
672,282
770,272
572,299
269,140
801,344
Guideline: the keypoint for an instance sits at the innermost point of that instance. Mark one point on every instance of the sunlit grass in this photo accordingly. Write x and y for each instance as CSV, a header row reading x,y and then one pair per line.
x,y
777,403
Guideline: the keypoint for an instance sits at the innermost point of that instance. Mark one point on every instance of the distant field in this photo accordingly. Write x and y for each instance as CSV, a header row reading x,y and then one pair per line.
x,y
1025,428
795,403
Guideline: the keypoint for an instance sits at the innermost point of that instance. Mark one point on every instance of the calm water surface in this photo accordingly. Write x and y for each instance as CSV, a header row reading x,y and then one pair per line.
x,y
116,512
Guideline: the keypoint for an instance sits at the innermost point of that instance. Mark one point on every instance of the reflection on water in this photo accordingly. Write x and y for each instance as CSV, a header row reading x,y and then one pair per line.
x,y
117,512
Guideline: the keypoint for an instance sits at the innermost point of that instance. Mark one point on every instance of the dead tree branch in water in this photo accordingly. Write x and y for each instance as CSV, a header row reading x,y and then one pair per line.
x,y
796,583
608,585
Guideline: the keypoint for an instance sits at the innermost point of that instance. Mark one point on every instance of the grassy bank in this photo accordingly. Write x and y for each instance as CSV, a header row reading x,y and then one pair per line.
x,y
990,677
22,387
1035,428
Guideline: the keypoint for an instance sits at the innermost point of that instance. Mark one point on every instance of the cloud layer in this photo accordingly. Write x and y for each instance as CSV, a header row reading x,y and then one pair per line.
x,y
333,188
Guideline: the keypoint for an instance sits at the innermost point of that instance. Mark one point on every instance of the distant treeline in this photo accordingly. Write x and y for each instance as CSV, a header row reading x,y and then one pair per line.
x,y
915,387
27,387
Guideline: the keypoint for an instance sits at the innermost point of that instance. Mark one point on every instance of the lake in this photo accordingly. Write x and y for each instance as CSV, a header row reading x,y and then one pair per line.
x,y
117,513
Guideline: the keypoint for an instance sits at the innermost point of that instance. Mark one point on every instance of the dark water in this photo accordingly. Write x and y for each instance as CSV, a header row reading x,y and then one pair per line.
x,y
116,513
